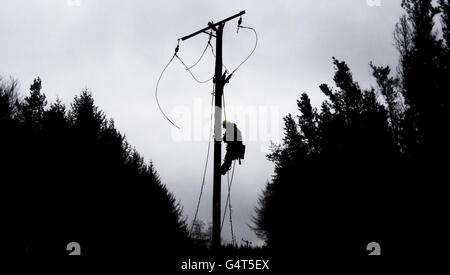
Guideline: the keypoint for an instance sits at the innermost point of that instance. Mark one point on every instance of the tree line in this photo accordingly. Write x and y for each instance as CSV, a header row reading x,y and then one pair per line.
x,y
369,164
69,175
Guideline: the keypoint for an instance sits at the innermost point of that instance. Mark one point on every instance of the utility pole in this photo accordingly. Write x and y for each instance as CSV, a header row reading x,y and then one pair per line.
x,y
219,80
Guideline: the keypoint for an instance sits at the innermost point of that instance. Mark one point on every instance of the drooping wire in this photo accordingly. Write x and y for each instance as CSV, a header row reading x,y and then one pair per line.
x,y
253,50
248,57
192,74
228,201
233,239
212,51
224,109
206,162
203,53
157,85
228,177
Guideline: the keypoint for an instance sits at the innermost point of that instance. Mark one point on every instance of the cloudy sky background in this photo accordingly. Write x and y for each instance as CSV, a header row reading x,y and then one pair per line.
x,y
117,50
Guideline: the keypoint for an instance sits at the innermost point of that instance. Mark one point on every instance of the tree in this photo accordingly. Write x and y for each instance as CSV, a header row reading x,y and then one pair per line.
x,y
77,179
322,157
345,174
8,99
422,80
32,108
389,89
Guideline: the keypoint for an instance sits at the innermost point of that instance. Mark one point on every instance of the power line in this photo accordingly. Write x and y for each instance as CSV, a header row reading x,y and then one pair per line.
x,y
187,68
228,202
218,27
253,50
192,74
233,239
212,51
206,162
203,53
228,178
248,57
156,89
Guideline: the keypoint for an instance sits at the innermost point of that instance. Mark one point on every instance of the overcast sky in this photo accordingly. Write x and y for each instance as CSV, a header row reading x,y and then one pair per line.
x,y
118,48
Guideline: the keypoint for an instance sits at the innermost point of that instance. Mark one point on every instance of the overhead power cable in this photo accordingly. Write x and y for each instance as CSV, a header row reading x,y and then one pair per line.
x,y
233,239
203,53
228,201
156,90
206,162
212,51
230,182
189,68
253,50
250,54
192,74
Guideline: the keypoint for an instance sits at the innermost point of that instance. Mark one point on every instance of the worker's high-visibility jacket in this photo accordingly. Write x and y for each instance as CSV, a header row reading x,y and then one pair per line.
x,y
233,139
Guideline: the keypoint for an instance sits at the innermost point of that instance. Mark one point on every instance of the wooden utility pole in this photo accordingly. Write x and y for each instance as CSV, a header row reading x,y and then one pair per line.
x,y
219,80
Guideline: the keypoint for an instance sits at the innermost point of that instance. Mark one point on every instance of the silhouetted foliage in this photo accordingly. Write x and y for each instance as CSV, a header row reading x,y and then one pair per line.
x,y
201,234
365,167
69,175
424,74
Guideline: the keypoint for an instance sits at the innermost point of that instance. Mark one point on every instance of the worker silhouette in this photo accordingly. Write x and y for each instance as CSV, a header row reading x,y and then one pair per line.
x,y
235,148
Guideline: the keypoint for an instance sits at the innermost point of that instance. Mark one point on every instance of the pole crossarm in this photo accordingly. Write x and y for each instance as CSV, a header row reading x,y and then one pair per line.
x,y
213,25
